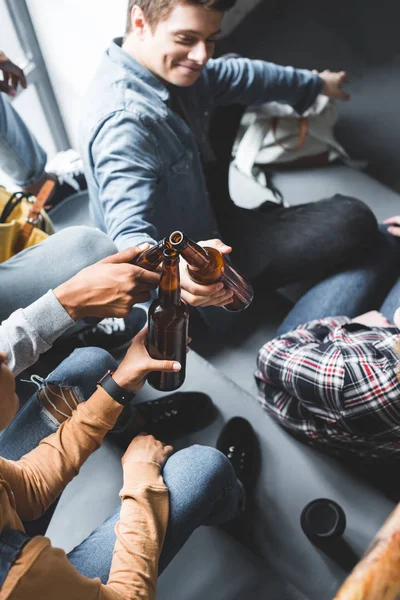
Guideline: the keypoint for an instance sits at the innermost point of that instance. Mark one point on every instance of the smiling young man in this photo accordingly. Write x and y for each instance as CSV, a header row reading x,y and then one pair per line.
x,y
149,159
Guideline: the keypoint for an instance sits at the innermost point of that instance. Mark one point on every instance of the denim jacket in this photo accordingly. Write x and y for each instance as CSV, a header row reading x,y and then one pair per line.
x,y
143,161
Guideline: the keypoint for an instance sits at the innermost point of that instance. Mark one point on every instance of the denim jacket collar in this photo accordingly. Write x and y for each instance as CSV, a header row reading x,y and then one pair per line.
x,y
131,65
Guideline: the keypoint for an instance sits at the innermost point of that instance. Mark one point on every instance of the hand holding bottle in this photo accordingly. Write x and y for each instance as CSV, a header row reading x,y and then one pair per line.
x,y
196,294
137,364
108,288
208,266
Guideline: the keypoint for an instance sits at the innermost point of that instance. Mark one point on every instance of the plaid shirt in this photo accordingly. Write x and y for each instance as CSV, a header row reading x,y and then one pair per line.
x,y
335,383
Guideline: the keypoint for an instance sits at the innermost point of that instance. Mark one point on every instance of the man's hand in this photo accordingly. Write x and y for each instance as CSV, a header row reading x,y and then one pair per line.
x,y
394,223
145,448
12,76
373,318
109,288
205,295
137,364
333,83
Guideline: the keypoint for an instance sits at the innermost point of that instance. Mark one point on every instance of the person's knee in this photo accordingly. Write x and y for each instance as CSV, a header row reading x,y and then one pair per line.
x,y
206,466
355,213
83,369
86,245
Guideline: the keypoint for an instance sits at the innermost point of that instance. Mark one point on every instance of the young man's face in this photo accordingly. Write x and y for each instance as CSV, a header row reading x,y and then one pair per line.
x,y
179,46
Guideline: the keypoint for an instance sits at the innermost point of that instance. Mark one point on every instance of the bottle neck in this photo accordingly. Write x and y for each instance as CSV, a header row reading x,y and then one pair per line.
x,y
194,254
151,258
169,291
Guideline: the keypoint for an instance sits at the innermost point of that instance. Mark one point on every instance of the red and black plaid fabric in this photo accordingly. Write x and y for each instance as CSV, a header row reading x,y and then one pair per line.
x,y
335,383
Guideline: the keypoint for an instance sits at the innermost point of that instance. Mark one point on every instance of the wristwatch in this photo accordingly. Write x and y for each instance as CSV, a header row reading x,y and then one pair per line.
x,y
114,390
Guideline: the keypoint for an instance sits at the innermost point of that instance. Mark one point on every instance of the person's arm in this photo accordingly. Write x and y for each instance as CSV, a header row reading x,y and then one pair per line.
x,y
127,170
306,365
40,476
140,535
377,577
140,532
134,568
29,332
109,288
251,82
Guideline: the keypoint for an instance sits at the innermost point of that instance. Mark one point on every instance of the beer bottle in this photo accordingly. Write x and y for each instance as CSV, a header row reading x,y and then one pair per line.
x,y
168,325
152,257
208,265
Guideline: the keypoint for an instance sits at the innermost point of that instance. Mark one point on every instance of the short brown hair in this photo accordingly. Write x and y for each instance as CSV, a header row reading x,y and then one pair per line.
x,y
157,10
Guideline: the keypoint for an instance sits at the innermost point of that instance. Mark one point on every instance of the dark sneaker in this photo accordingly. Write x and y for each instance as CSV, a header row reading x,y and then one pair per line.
x,y
167,418
239,443
113,334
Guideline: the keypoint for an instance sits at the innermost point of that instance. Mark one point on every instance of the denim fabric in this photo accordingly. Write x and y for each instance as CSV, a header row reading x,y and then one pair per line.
x,y
31,273
353,291
21,156
144,162
201,481
80,371
203,490
11,543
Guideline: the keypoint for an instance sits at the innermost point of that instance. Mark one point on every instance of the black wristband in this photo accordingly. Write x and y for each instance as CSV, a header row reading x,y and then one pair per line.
x,y
114,390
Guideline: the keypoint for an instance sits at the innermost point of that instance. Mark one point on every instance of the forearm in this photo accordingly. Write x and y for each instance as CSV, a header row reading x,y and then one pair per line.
x,y
29,332
128,171
140,532
42,474
254,82
377,575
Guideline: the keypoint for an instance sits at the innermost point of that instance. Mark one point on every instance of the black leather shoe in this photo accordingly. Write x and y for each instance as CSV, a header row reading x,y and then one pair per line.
x,y
167,418
239,443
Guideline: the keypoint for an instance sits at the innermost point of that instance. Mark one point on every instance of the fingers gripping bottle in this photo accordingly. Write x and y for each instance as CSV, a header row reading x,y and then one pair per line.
x,y
151,258
208,265
168,325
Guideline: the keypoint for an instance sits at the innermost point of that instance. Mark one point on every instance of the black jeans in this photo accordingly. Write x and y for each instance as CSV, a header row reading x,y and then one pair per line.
x,y
284,245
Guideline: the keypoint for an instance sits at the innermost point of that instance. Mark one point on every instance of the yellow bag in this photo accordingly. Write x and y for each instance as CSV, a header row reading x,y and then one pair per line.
x,y
23,221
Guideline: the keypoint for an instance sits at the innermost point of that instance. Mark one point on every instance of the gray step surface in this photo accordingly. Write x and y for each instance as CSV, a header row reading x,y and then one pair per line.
x,y
292,475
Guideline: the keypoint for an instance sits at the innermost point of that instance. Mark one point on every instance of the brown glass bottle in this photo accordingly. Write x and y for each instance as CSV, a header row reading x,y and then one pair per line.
x,y
151,258
208,265
168,325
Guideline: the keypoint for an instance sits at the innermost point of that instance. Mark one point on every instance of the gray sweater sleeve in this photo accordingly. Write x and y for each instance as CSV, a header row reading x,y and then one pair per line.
x,y
30,331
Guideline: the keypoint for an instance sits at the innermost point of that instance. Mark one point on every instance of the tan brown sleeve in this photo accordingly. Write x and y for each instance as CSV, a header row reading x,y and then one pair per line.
x,y
42,571
140,532
40,476
377,576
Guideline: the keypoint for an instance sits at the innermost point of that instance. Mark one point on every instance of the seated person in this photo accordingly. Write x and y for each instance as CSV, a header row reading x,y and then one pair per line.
x,y
29,275
108,288
150,165
164,498
21,156
333,381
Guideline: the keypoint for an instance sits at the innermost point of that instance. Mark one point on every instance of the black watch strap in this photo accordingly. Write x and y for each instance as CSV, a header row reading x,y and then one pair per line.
x,y
114,390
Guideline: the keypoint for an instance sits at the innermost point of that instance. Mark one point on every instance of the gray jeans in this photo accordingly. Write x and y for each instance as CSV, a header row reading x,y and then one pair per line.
x,y
30,274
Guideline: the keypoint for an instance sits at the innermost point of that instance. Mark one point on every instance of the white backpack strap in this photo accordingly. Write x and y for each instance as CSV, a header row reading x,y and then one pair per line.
x,y
250,145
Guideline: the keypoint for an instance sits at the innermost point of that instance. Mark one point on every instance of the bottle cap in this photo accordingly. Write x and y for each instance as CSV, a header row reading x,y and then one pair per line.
x,y
323,518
